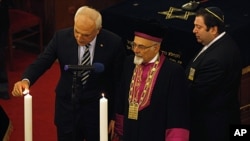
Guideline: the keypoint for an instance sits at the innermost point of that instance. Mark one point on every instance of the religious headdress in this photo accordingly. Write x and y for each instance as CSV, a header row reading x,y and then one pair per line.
x,y
151,30
216,12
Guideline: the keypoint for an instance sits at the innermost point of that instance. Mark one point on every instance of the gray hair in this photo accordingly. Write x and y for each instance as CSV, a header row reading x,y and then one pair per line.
x,y
91,13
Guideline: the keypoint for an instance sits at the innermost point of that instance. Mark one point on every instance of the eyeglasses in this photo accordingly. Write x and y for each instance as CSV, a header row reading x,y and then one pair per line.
x,y
141,47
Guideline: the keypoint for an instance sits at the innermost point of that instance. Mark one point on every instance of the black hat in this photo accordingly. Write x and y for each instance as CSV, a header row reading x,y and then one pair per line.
x,y
151,30
216,12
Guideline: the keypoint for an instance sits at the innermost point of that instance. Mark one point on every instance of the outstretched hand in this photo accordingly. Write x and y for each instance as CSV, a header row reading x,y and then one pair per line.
x,y
20,87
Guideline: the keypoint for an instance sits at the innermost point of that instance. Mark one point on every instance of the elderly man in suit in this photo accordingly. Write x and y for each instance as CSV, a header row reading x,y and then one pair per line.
x,y
77,110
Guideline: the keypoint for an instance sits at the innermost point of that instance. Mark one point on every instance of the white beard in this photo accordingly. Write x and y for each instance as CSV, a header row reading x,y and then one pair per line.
x,y
138,60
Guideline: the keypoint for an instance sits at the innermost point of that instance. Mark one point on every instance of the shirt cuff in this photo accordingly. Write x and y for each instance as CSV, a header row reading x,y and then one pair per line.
x,y
26,79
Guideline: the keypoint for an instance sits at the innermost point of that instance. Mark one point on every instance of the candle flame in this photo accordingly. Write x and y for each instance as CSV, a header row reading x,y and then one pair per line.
x,y
103,95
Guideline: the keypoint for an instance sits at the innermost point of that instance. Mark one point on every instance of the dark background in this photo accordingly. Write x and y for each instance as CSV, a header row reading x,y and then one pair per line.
x,y
180,41
120,16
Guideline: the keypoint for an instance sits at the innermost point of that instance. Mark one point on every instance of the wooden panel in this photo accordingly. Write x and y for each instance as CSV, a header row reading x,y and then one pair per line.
x,y
64,13
58,14
245,114
65,10
244,95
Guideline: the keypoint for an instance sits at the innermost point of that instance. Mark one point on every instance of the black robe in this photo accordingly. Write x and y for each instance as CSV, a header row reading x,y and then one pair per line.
x,y
168,108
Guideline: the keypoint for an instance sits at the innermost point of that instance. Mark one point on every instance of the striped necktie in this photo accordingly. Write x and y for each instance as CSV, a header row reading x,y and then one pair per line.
x,y
85,61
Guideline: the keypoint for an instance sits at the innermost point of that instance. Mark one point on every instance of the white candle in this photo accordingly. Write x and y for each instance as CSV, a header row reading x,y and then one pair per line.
x,y
103,119
28,117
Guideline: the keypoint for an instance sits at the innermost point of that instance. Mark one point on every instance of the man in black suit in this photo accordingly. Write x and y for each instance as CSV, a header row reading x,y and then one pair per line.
x,y
214,77
77,118
4,26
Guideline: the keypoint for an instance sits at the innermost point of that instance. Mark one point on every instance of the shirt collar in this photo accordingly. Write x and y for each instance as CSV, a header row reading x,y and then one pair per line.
x,y
215,39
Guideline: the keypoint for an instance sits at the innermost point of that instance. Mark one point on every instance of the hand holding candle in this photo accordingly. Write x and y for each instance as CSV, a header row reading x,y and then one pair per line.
x,y
27,116
103,119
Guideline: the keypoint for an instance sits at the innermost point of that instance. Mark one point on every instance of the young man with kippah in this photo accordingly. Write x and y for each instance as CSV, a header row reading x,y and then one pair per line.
x,y
153,101
214,77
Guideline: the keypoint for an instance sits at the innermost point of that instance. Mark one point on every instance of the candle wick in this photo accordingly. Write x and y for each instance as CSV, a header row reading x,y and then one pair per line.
x,y
25,92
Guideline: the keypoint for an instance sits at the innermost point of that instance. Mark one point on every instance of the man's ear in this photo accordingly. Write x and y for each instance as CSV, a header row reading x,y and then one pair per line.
x,y
157,48
214,30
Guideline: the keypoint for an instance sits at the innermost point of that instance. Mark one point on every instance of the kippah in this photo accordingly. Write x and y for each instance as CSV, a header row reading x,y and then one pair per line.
x,y
151,30
216,12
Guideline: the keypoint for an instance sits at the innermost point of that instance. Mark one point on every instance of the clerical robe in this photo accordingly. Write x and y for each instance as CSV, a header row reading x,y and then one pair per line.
x,y
166,116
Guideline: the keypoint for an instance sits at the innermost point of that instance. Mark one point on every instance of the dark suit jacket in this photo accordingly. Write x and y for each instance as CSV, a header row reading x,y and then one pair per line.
x,y
214,79
109,51
4,26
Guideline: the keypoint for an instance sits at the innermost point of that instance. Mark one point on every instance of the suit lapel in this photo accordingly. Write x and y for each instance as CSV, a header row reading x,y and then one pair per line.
x,y
99,48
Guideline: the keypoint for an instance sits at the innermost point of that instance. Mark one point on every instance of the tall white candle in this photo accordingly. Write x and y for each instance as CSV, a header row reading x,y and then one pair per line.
x,y
103,119
28,117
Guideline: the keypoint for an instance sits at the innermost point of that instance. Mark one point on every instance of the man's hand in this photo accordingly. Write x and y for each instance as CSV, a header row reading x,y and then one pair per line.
x,y
19,87
111,128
